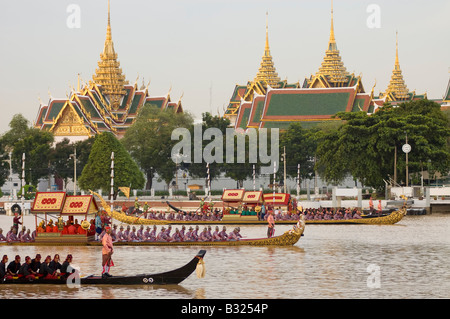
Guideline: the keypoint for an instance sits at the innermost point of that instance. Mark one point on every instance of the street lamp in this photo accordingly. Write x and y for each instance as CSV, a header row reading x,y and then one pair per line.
x,y
406,148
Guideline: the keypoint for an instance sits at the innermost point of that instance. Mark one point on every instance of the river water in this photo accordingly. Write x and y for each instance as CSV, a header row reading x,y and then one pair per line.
x,y
407,260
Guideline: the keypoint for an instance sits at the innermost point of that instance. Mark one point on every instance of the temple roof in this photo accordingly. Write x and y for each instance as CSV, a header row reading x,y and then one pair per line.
x,y
397,91
267,72
109,74
107,103
281,107
332,68
91,110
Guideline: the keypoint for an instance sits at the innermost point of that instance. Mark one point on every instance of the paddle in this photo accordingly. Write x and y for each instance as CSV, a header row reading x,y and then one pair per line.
x,y
137,218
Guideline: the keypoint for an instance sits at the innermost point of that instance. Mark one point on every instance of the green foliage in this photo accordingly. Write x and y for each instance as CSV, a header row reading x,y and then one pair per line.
x,y
30,192
198,170
364,146
149,141
36,145
19,127
97,172
4,164
60,162
301,145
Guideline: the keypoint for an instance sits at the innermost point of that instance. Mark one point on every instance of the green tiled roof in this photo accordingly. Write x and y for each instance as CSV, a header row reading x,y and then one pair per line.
x,y
41,115
90,108
158,103
244,119
54,109
307,104
238,88
259,107
135,104
125,98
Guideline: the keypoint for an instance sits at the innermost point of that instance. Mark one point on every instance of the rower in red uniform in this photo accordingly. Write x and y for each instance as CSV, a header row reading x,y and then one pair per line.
x,y
271,222
107,252
72,229
371,204
380,208
49,228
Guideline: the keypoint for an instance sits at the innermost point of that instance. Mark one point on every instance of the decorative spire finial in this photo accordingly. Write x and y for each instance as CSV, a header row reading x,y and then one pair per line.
x,y
332,66
108,28
397,89
267,30
332,38
397,63
267,72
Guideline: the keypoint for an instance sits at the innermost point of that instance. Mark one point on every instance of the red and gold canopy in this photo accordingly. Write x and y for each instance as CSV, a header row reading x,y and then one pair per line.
x,y
278,199
253,197
80,204
233,195
60,202
48,202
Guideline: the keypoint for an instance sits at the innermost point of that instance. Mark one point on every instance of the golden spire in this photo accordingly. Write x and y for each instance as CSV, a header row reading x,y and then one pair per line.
x,y
332,67
397,86
267,72
397,63
109,74
266,48
332,39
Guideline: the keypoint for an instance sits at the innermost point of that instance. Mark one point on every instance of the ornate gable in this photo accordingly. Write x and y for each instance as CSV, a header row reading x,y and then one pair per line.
x,y
68,123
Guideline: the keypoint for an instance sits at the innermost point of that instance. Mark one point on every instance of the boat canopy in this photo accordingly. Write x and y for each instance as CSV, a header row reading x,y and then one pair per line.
x,y
233,195
253,197
60,202
278,199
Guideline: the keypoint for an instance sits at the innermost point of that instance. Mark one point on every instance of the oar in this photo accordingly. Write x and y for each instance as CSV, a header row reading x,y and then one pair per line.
x,y
137,218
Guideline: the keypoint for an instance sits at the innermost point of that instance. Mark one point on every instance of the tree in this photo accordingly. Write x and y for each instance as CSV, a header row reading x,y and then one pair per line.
x,y
301,145
199,170
61,164
364,147
97,172
149,141
4,164
19,127
36,145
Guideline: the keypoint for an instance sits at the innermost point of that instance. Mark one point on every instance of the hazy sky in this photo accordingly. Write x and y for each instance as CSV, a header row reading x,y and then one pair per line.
x,y
203,48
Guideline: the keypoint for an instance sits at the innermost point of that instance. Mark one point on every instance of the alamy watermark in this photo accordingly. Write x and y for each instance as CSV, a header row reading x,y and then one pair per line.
x,y
73,20
374,19
73,280
190,149
374,278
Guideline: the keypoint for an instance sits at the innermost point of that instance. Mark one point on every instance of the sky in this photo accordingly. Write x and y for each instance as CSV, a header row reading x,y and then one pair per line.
x,y
200,49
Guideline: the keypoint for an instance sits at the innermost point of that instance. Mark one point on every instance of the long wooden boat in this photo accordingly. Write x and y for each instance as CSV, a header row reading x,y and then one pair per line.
x,y
172,277
288,238
389,219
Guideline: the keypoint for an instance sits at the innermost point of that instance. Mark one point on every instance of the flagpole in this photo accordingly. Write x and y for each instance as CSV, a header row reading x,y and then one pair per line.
x,y
254,179
23,182
112,181
274,177
208,181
